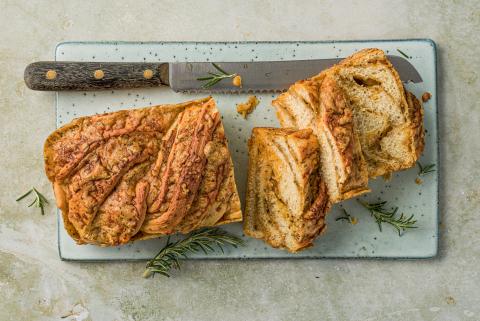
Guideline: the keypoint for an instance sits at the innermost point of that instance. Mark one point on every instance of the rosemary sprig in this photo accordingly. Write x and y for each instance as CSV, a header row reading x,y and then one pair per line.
x,y
424,170
215,77
201,240
347,217
39,201
404,54
382,215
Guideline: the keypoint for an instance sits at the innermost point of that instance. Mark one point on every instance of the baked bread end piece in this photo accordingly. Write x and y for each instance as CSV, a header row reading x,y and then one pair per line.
x,y
286,198
142,173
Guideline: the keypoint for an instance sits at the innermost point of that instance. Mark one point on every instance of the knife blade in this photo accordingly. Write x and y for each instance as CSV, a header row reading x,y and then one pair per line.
x,y
257,76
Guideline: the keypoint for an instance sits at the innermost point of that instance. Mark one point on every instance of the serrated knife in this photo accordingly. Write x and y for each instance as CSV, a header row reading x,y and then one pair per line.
x,y
257,76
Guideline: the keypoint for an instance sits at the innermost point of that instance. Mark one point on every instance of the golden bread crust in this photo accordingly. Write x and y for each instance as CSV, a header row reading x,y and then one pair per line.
x,y
338,120
142,173
415,111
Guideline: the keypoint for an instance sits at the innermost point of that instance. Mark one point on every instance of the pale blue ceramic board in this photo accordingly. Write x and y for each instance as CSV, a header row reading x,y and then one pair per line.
x,y
341,240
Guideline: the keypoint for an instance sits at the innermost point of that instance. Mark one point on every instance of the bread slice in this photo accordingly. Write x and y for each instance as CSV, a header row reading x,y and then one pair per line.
x,y
321,105
286,198
388,119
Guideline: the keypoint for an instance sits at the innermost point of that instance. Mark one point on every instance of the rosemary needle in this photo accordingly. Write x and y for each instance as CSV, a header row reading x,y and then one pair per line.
x,y
382,215
424,170
214,78
403,54
347,217
39,200
204,240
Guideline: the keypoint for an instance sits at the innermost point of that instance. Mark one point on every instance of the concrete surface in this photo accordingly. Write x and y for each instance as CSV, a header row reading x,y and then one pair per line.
x,y
36,285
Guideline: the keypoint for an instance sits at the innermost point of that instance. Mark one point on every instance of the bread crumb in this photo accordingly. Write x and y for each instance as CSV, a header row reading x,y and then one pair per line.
x,y
353,220
426,96
418,181
450,300
237,81
246,108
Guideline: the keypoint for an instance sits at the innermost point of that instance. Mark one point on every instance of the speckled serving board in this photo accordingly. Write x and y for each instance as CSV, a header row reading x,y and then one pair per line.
x,y
342,239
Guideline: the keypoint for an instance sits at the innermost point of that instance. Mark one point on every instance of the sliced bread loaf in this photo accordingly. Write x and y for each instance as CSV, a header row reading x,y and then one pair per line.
x,y
143,173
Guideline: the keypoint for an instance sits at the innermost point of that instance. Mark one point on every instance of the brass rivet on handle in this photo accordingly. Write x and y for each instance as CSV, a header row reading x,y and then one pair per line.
x,y
148,74
98,74
51,74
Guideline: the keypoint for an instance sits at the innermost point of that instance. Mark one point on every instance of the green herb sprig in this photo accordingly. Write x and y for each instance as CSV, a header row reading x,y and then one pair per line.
x,y
39,201
424,170
204,240
404,54
382,215
215,77
347,217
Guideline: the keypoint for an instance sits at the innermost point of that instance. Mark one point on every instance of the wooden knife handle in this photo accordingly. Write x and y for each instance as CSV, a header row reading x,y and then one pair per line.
x,y
66,75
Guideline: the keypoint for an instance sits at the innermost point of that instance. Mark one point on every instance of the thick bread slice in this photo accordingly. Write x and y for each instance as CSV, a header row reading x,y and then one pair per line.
x,y
389,120
286,197
321,105
142,173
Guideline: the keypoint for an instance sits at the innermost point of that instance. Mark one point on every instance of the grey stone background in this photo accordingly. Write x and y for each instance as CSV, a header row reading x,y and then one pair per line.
x,y
36,285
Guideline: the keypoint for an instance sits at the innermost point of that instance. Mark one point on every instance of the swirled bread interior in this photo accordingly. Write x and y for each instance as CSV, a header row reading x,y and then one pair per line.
x,y
387,120
286,197
321,105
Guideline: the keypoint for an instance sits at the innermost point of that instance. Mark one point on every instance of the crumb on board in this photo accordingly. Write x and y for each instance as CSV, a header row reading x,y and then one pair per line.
x,y
450,300
246,108
237,81
418,181
426,96
353,220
